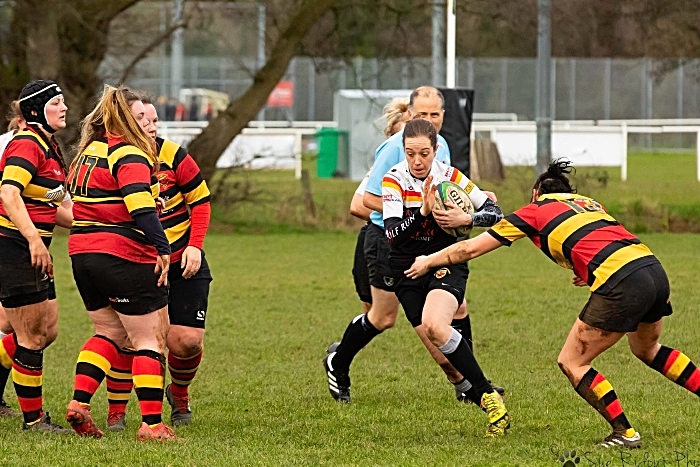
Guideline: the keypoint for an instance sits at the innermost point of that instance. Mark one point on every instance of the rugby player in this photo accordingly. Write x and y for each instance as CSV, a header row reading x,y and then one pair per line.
x,y
64,218
629,289
396,115
33,186
185,218
412,230
120,257
425,103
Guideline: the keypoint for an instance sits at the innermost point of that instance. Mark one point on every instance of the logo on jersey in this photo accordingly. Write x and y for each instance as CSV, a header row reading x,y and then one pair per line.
x,y
163,181
442,272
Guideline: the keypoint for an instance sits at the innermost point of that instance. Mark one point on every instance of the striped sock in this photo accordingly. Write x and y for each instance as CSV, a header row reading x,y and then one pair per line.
x,y
27,370
148,373
182,372
597,391
94,361
8,347
120,382
677,367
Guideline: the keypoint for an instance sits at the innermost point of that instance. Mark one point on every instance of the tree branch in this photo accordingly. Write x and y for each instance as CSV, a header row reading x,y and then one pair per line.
x,y
208,146
162,37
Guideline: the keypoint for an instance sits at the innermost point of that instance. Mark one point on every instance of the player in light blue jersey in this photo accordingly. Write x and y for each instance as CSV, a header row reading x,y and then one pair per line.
x,y
426,103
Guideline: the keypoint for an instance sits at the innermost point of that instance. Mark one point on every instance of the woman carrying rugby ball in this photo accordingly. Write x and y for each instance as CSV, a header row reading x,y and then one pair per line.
x,y
408,194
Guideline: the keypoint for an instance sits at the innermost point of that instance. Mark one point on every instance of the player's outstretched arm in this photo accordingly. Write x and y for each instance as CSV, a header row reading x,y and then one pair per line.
x,y
460,252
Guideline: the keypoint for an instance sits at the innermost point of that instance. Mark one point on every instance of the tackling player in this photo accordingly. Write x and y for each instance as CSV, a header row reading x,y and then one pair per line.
x,y
629,289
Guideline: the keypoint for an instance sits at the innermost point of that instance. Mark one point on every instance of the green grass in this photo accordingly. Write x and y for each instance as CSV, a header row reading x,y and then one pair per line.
x,y
260,398
660,195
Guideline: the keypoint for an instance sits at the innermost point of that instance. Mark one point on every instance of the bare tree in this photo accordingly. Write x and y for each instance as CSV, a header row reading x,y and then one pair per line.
x,y
215,138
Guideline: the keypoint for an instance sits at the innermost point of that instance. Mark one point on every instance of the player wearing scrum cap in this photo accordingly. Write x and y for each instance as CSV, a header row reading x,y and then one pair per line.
x,y
33,186
64,218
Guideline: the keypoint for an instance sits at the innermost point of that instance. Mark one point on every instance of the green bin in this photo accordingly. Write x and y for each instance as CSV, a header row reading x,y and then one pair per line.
x,y
333,153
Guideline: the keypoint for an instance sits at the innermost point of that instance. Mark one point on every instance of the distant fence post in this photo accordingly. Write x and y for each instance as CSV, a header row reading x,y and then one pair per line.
x,y
623,162
697,151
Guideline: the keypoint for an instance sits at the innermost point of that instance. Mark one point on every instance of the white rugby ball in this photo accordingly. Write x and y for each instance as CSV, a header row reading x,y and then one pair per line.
x,y
450,191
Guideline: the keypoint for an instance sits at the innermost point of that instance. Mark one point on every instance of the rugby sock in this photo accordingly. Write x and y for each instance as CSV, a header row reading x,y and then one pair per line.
x,y
148,371
464,327
8,347
358,334
465,387
677,367
120,382
457,352
27,369
182,372
597,391
94,361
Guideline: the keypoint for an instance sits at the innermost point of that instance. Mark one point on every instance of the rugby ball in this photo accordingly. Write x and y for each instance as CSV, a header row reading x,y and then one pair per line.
x,y
449,191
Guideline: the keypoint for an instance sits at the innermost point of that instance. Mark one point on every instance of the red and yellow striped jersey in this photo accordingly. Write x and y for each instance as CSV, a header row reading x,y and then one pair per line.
x,y
577,233
110,182
32,163
181,187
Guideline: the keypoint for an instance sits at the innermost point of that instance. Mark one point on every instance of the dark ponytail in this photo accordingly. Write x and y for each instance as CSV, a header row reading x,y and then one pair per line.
x,y
555,179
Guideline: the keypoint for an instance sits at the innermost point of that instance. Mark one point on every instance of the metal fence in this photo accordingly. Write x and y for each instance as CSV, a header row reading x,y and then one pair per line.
x,y
583,89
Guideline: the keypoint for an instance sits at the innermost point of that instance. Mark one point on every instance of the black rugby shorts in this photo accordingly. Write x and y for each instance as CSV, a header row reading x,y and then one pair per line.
x,y
130,288
21,284
189,298
377,251
641,297
360,273
413,292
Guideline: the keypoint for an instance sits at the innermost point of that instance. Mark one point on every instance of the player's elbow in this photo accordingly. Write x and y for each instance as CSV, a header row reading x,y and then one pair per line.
x,y
359,211
8,193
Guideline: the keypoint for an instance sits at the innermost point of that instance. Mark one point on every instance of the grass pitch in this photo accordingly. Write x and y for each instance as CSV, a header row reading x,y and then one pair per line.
x,y
260,398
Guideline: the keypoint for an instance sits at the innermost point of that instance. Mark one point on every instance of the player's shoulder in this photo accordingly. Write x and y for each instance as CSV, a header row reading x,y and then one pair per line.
x,y
97,148
398,172
28,139
169,152
391,146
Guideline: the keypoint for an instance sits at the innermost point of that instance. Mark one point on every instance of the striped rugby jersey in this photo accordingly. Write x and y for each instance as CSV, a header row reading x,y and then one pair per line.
x,y
409,233
109,182
32,164
577,233
181,186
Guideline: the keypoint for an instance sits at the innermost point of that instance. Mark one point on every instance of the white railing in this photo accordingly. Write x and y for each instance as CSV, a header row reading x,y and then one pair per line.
x,y
589,142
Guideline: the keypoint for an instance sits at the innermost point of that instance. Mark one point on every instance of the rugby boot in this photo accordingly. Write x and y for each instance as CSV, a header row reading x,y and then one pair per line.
x,y
78,415
464,397
180,413
6,410
500,390
499,420
160,432
619,440
338,383
45,425
116,421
